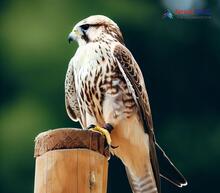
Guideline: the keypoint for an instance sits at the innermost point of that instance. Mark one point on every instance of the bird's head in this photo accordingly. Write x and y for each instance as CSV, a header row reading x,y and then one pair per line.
x,y
93,29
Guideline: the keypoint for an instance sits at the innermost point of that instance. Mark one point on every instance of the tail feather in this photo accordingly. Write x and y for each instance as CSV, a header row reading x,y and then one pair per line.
x,y
167,169
143,184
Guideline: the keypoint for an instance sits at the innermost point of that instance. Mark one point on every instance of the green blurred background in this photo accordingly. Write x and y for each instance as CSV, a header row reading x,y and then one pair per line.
x,y
180,60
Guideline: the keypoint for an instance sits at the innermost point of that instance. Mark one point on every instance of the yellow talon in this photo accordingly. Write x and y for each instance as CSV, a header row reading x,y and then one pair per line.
x,y
104,132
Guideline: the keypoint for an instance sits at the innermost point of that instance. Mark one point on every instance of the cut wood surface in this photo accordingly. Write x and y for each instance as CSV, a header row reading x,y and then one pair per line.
x,y
70,138
70,161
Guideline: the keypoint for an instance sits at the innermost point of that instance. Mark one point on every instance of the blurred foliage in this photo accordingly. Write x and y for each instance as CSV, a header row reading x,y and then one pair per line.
x,y
180,61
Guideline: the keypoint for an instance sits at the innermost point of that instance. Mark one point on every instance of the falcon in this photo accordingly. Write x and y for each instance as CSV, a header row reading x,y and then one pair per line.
x,y
105,91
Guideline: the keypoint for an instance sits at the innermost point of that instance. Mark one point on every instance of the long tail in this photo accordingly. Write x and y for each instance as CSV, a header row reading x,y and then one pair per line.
x,y
145,184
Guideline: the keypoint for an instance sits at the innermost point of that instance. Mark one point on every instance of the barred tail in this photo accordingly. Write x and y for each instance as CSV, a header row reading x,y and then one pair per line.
x,y
145,184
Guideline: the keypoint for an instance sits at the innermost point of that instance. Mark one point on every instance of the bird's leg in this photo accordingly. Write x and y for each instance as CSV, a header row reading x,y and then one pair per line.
x,y
106,130
109,127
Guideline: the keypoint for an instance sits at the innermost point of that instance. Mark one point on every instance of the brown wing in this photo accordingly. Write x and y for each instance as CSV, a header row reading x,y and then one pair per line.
x,y
72,106
134,75
134,79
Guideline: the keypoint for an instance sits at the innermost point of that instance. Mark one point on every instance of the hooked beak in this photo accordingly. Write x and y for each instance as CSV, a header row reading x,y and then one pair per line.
x,y
70,38
73,35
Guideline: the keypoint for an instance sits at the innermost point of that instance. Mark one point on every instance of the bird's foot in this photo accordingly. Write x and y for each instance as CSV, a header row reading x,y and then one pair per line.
x,y
106,130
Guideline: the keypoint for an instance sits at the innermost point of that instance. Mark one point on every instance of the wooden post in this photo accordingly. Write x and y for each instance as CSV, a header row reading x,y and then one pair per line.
x,y
70,161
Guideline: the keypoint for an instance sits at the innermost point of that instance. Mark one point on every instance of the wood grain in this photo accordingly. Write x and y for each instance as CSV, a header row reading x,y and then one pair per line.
x,y
74,170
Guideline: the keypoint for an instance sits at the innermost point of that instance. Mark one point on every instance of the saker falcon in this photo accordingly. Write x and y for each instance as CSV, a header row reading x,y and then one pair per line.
x,y
105,91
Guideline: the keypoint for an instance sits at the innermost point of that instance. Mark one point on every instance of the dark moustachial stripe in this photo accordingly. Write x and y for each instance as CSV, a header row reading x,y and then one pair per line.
x,y
85,37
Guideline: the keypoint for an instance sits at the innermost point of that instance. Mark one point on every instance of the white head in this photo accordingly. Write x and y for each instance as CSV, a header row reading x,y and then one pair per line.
x,y
93,29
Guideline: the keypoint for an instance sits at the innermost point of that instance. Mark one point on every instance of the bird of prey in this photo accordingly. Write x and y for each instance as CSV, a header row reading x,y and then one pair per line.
x,y
105,91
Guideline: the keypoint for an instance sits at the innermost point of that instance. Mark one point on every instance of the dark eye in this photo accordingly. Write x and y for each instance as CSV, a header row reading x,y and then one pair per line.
x,y
85,27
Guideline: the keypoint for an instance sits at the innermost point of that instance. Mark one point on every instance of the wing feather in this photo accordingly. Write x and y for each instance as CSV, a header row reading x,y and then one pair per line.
x,y
135,81
71,102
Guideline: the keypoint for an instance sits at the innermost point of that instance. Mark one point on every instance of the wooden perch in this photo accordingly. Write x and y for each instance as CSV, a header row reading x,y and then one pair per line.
x,y
70,161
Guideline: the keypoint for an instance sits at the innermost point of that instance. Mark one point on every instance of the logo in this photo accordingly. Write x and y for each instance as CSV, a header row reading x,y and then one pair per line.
x,y
168,14
188,14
